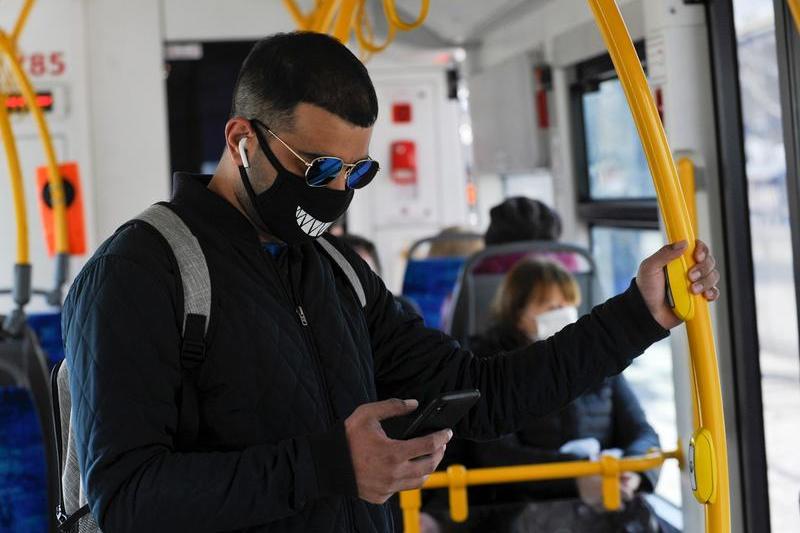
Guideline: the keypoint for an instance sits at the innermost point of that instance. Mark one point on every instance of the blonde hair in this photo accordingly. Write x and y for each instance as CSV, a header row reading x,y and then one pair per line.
x,y
456,247
530,280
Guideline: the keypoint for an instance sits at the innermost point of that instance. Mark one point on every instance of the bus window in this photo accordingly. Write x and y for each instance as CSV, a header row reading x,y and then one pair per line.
x,y
772,254
617,201
617,252
616,163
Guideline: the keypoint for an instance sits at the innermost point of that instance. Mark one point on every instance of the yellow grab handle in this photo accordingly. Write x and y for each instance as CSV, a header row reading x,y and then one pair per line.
x,y
679,295
678,227
7,48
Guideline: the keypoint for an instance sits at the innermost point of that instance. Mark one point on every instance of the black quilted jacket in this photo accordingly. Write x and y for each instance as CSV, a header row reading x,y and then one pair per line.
x,y
272,454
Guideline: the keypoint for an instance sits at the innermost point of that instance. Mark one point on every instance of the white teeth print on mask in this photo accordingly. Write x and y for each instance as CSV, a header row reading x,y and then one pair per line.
x,y
310,225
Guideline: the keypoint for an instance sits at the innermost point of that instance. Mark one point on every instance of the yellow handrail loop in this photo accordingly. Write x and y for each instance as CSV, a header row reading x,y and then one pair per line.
x,y
343,18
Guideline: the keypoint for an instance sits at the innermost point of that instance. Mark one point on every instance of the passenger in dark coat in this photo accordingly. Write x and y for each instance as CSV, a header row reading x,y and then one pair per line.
x,y
536,300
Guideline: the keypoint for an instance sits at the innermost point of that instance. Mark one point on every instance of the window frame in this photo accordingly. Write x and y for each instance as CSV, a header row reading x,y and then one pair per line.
x,y
616,212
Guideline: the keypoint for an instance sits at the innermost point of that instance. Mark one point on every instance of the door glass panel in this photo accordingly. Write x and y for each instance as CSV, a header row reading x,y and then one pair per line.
x,y
616,162
776,309
618,252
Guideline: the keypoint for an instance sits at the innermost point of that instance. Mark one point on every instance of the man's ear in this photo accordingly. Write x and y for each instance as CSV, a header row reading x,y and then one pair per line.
x,y
237,131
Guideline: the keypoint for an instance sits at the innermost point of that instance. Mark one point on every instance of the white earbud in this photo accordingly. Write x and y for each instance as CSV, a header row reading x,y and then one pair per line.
x,y
243,152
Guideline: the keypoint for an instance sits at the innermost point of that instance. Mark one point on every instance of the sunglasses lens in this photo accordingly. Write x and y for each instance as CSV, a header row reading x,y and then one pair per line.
x,y
323,170
362,174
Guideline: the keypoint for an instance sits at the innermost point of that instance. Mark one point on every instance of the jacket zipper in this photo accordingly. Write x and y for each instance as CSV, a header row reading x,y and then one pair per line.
x,y
294,299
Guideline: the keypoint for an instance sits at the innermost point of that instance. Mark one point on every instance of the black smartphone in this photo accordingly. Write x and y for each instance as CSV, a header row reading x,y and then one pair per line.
x,y
442,413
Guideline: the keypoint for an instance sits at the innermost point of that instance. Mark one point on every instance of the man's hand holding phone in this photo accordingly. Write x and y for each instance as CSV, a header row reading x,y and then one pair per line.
x,y
384,466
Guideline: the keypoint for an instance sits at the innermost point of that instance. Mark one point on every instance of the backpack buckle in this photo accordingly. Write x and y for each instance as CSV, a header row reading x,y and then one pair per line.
x,y
192,353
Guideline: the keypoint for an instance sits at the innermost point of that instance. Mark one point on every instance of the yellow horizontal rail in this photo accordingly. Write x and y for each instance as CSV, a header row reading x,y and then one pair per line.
x,y
457,479
709,465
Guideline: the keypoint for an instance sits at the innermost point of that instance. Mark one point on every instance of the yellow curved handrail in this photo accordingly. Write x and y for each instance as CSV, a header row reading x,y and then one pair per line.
x,y
457,478
367,42
395,20
710,452
8,49
17,184
21,20
794,7
341,18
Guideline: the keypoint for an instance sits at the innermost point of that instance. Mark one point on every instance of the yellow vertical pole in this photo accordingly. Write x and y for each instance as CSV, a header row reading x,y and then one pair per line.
x,y
21,20
612,499
410,502
17,186
678,227
794,7
457,493
687,178
56,183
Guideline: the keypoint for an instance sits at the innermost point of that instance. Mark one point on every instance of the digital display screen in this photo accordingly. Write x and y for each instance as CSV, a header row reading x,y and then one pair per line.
x,y
15,103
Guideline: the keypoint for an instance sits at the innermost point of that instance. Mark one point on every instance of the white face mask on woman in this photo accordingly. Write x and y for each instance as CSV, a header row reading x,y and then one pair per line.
x,y
551,322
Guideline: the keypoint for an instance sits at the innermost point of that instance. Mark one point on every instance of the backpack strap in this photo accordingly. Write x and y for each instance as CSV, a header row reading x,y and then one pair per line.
x,y
196,285
345,266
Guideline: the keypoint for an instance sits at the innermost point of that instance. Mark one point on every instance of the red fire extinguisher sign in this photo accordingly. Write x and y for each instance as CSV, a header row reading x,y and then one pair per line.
x,y
404,162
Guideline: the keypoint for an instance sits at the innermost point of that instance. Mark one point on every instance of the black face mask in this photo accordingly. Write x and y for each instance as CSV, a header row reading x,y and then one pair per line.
x,y
291,210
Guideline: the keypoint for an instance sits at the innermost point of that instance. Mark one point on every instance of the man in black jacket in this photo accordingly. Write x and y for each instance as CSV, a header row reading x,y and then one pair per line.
x,y
297,373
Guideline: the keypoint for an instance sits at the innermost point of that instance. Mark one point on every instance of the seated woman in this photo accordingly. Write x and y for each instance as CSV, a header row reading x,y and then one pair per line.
x,y
537,299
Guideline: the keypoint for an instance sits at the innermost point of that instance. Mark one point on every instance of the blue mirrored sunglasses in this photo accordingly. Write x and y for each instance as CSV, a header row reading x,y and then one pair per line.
x,y
322,170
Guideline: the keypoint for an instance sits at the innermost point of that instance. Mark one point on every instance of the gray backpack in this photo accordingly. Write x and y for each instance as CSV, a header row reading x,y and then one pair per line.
x,y
72,512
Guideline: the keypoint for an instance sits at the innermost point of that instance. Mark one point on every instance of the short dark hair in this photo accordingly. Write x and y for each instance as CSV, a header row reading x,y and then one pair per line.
x,y
285,69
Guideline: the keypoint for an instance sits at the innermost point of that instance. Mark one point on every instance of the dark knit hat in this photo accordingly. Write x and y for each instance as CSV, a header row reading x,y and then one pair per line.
x,y
522,219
